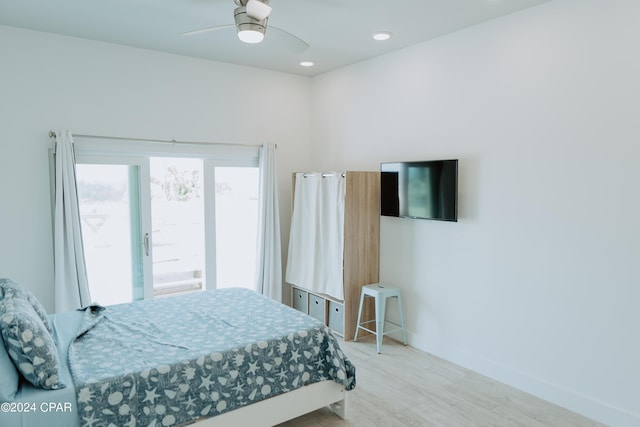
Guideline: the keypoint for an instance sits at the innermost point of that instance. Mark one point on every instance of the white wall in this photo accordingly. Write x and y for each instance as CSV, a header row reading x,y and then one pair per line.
x,y
53,82
537,285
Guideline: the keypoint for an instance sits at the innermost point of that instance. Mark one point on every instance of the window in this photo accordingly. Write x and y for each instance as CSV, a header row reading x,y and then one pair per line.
x,y
236,225
177,224
159,219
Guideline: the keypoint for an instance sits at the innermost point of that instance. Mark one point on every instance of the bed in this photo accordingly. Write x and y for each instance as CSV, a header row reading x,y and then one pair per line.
x,y
217,358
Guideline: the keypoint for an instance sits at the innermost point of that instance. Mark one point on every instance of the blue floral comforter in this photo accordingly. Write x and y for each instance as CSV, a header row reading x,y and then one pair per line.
x,y
170,361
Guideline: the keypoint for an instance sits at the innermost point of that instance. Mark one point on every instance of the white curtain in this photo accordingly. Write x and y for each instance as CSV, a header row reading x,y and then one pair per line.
x,y
269,256
70,280
316,242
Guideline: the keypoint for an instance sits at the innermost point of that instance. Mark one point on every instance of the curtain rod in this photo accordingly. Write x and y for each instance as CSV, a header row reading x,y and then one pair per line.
x,y
52,134
323,174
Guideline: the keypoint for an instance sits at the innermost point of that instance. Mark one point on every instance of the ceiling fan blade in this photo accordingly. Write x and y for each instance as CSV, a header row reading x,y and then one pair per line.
x,y
207,30
295,42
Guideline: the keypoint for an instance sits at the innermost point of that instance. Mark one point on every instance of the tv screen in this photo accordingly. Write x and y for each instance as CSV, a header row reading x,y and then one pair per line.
x,y
425,190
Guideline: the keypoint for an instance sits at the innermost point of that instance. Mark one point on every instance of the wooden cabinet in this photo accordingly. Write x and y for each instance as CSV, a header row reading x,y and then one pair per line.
x,y
361,249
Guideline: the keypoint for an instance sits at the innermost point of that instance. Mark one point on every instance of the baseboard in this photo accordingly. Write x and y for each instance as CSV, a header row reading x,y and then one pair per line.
x,y
572,400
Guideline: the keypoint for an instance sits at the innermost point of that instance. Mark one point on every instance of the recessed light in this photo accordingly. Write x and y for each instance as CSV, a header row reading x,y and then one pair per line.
x,y
381,35
307,63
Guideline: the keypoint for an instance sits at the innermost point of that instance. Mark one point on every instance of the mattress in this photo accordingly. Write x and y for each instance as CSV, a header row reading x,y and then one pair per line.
x,y
171,361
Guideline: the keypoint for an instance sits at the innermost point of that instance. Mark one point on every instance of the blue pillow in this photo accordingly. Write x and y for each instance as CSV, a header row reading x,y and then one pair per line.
x,y
29,343
10,288
8,375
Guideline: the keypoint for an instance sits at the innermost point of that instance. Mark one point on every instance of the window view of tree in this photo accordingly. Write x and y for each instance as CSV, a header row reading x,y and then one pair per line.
x,y
178,227
176,185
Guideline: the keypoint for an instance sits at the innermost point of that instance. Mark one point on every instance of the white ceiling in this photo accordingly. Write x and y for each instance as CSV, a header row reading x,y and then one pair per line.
x,y
338,31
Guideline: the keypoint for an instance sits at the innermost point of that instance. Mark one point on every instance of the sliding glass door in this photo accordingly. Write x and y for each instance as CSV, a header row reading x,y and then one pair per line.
x,y
161,225
114,224
178,225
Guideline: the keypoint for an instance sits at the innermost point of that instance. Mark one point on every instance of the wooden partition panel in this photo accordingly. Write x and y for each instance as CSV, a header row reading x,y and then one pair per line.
x,y
361,244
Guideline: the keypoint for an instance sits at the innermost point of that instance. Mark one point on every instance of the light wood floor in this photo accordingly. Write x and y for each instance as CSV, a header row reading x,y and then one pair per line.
x,y
407,387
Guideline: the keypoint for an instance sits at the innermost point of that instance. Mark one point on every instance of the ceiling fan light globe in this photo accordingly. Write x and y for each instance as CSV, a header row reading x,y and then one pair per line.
x,y
257,9
250,36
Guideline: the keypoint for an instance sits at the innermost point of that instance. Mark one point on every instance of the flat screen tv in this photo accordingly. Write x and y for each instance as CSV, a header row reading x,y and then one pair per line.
x,y
424,190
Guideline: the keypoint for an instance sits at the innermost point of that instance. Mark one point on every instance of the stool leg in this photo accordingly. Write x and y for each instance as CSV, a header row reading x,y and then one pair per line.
x,y
380,306
355,337
404,333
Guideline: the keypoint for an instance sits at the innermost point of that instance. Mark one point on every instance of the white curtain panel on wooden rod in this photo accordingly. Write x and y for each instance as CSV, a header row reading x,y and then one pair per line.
x,y
269,258
70,274
316,241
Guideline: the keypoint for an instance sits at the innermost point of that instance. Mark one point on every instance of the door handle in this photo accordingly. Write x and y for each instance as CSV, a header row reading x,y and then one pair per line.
x,y
146,244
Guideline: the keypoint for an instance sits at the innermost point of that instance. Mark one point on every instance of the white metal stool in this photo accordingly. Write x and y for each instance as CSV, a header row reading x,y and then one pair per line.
x,y
380,293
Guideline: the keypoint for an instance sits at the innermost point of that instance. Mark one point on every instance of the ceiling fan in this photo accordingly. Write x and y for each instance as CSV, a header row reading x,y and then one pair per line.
x,y
251,18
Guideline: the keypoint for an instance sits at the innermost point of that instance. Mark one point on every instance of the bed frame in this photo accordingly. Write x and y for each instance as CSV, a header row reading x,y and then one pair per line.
x,y
284,407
